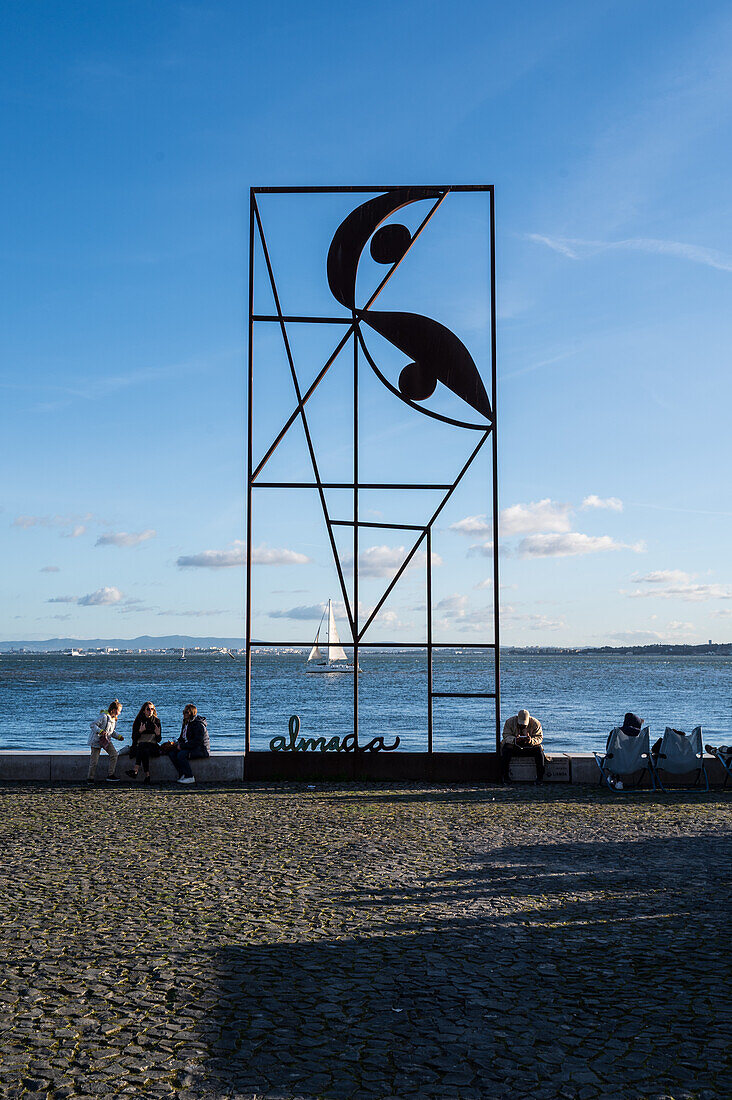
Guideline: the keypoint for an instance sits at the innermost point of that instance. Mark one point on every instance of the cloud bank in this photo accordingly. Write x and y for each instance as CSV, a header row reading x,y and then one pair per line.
x,y
122,538
235,556
675,584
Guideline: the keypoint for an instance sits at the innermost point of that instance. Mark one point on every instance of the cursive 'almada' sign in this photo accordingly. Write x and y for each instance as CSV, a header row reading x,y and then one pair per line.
x,y
323,744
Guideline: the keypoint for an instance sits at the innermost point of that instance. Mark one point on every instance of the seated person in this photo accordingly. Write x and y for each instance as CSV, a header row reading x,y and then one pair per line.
x,y
632,725
522,736
146,736
193,744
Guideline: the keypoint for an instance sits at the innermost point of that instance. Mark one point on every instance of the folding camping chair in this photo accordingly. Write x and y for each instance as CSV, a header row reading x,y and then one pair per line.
x,y
680,754
624,755
725,759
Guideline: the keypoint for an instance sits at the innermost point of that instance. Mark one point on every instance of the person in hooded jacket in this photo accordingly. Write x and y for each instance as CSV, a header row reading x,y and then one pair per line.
x,y
101,737
193,744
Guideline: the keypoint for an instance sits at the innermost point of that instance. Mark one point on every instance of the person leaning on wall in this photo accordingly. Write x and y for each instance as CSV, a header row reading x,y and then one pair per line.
x,y
522,736
101,736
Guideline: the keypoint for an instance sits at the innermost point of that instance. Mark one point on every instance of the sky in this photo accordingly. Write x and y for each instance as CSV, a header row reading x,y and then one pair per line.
x,y
132,133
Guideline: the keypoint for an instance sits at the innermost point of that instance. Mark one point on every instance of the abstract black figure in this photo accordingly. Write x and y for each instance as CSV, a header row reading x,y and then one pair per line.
x,y
436,353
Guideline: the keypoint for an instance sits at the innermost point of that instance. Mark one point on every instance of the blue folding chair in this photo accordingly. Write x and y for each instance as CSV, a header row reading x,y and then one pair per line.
x,y
624,756
680,754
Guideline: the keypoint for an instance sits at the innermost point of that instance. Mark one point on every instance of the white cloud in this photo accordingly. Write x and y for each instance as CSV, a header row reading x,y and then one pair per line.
x,y
487,583
540,515
675,631
235,556
520,519
571,544
664,576
193,614
472,525
384,561
614,504
681,629
269,555
313,612
575,248
304,612
103,597
675,584
122,538
75,524
534,621
452,604
212,559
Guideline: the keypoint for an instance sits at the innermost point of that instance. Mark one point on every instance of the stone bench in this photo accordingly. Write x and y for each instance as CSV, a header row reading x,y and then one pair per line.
x,y
73,766
577,768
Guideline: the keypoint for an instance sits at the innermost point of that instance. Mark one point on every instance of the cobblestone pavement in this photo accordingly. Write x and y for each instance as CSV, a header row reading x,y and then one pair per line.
x,y
374,941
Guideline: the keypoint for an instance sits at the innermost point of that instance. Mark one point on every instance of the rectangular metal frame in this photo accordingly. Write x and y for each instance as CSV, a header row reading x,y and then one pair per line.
x,y
357,631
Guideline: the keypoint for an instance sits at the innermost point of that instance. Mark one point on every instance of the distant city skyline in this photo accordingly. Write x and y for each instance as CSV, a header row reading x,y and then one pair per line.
x,y
133,138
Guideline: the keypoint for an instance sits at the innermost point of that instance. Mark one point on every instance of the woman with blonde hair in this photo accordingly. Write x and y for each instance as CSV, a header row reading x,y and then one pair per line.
x,y
146,736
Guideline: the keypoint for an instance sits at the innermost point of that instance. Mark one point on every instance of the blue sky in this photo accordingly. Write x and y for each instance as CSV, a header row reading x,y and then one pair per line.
x,y
131,134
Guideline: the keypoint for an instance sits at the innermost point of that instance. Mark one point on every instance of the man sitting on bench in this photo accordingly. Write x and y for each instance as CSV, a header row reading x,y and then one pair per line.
x,y
522,736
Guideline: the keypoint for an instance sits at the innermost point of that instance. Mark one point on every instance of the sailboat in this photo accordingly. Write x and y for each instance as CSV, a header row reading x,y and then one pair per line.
x,y
182,654
332,657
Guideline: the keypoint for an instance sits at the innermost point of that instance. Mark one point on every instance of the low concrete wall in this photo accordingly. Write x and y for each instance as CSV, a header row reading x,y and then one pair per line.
x,y
73,767
417,767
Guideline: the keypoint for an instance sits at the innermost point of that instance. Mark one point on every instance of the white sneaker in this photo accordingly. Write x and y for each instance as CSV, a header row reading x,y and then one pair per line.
x,y
618,784
187,779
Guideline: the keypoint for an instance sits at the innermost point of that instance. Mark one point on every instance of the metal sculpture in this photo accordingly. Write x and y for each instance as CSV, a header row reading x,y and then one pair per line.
x,y
436,357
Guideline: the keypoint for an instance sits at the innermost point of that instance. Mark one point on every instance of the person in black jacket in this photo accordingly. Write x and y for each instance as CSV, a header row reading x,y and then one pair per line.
x,y
146,736
193,744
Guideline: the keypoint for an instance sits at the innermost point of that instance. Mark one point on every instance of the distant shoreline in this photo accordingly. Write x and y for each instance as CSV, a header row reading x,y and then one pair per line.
x,y
219,647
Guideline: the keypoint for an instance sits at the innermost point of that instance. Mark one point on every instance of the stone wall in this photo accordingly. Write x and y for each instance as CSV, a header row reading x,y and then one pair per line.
x,y
231,767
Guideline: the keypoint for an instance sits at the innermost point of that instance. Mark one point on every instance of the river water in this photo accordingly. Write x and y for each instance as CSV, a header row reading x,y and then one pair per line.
x,y
47,701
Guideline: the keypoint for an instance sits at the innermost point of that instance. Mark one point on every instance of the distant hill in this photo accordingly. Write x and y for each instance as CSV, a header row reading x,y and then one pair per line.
x,y
145,641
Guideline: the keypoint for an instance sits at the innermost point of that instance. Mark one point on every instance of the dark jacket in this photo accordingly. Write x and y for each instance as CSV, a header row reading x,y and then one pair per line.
x,y
632,725
195,739
146,730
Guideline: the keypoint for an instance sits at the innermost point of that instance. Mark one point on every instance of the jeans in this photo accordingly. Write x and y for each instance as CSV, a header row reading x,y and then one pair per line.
x,y
180,760
535,751
94,759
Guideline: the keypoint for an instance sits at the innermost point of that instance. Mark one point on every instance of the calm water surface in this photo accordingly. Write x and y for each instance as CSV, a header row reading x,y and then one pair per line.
x,y
47,701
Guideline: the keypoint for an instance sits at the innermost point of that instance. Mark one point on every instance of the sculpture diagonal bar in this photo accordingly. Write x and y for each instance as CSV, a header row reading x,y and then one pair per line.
x,y
438,363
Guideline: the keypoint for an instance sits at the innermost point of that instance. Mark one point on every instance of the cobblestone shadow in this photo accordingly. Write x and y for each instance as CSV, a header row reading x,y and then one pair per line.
x,y
362,941
574,970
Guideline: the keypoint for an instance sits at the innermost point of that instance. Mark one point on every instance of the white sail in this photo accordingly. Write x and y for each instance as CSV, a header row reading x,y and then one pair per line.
x,y
330,657
336,651
316,654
